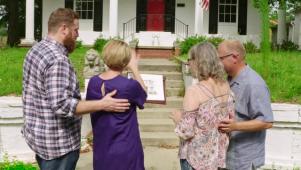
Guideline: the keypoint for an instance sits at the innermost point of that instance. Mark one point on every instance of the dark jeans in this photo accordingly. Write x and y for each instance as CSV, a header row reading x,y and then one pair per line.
x,y
185,165
65,162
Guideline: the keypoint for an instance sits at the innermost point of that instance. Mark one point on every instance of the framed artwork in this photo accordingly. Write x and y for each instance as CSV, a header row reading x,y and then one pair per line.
x,y
155,88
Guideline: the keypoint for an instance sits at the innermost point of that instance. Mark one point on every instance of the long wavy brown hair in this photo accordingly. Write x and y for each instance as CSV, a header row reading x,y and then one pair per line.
x,y
205,62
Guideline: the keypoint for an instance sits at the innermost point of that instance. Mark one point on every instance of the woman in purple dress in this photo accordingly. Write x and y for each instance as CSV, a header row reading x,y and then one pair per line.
x,y
116,140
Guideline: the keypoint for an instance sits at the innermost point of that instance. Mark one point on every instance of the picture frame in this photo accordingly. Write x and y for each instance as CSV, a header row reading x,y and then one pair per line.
x,y
155,88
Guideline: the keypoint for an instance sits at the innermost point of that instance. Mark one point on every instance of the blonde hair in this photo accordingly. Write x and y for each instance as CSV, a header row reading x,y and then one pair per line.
x,y
206,62
61,16
116,54
235,45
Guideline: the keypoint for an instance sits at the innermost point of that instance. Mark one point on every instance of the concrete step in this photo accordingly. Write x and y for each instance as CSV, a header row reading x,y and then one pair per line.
x,y
174,92
156,125
168,75
164,65
167,139
171,102
174,83
154,113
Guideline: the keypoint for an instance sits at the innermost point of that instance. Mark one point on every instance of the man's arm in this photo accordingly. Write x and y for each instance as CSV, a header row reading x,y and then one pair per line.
x,y
230,125
107,104
260,111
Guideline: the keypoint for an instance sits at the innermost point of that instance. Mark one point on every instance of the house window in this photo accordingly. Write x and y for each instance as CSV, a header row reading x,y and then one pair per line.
x,y
227,10
84,8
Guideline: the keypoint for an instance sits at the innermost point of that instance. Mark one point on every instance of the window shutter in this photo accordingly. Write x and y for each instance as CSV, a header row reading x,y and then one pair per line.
x,y
141,15
242,16
170,15
97,19
69,4
213,16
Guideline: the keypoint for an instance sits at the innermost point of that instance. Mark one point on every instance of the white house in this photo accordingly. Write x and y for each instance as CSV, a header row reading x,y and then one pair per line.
x,y
154,22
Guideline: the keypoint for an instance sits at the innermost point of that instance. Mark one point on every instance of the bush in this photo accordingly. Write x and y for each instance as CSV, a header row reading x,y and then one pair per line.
x,y
99,44
79,44
215,41
15,165
250,47
3,31
189,42
289,46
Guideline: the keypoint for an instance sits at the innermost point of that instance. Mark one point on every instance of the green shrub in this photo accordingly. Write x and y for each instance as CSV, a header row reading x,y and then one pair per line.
x,y
79,44
289,46
3,31
15,165
250,47
189,42
215,40
99,44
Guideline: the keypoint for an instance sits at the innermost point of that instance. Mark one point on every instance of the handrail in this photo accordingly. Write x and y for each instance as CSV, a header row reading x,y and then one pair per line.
x,y
129,28
181,29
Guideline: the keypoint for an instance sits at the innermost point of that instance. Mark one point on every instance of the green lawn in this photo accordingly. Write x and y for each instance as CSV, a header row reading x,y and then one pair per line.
x,y
284,78
11,62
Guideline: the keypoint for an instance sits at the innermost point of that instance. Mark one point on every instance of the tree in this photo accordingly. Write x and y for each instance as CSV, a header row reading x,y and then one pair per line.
x,y
12,13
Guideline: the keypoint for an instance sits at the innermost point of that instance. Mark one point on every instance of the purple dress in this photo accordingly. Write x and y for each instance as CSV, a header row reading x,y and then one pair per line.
x,y
116,140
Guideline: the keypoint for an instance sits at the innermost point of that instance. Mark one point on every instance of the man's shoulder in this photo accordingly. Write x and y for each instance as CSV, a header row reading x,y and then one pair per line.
x,y
253,78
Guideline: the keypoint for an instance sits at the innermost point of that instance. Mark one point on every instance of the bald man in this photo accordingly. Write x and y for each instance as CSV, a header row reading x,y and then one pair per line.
x,y
252,106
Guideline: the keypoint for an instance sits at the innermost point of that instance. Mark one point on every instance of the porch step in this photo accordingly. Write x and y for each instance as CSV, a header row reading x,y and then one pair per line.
x,y
168,139
156,38
154,113
162,65
155,52
156,125
174,75
171,102
156,128
173,92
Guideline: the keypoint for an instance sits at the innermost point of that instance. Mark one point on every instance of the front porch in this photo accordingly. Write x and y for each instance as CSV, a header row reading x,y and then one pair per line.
x,y
154,22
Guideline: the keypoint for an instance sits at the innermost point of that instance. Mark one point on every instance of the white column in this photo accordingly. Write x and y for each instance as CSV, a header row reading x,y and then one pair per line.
x,y
281,30
199,16
113,18
29,22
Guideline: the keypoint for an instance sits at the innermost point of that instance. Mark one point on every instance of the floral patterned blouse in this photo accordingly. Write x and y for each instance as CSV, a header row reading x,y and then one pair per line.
x,y
201,144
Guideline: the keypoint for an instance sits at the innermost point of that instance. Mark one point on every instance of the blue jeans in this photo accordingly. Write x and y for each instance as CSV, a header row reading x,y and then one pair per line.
x,y
65,162
185,165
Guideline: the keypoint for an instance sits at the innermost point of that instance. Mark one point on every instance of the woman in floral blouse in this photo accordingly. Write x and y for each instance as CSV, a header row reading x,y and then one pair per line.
x,y
206,103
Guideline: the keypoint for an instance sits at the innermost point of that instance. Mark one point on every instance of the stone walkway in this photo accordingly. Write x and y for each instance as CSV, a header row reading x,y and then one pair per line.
x,y
154,159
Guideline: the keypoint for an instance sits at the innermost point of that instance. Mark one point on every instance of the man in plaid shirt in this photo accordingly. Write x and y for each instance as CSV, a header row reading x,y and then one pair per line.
x,y
52,103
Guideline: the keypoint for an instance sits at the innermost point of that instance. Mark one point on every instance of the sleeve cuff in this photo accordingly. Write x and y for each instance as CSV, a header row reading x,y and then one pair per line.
x,y
73,104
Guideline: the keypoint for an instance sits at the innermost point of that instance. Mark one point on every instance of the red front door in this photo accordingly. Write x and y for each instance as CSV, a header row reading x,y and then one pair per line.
x,y
155,15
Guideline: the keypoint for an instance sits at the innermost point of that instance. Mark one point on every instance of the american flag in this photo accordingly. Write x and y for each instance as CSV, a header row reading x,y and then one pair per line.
x,y
204,4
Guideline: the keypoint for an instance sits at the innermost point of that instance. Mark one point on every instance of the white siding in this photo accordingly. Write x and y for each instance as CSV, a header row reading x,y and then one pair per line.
x,y
186,14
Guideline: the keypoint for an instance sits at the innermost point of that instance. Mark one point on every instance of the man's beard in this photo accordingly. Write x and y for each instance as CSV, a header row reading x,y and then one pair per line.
x,y
69,43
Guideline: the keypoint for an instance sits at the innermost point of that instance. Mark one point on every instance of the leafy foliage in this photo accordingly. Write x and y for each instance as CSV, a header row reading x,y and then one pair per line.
x,y
99,44
215,40
15,165
79,44
289,46
189,42
250,47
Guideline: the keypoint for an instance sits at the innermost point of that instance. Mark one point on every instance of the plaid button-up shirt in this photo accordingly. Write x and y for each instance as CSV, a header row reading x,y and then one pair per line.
x,y
50,95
